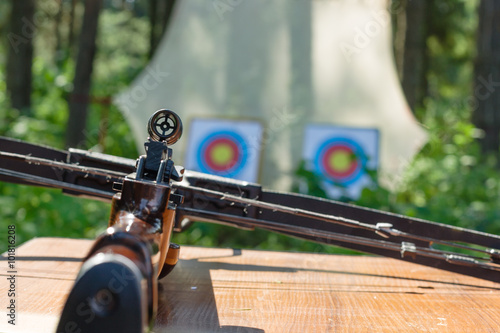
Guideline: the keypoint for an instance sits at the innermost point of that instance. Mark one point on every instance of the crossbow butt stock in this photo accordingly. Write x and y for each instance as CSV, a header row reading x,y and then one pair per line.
x,y
127,260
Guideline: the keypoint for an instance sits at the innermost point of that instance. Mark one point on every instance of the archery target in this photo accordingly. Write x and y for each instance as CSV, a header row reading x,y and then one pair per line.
x,y
341,160
225,148
222,152
342,157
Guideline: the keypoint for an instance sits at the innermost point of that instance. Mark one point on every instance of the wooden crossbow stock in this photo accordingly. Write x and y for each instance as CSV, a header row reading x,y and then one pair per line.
x,y
151,197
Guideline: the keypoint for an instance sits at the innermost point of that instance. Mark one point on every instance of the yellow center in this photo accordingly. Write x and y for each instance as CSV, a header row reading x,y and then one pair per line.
x,y
340,161
222,154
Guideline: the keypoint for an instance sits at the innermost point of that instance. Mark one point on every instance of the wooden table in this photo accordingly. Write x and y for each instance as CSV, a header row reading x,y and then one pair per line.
x,y
226,290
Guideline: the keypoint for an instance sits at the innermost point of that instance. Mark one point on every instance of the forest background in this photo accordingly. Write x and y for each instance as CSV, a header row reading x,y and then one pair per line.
x,y
447,54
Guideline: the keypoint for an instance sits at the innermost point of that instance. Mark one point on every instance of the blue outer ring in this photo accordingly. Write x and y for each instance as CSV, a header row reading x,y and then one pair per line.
x,y
357,150
237,167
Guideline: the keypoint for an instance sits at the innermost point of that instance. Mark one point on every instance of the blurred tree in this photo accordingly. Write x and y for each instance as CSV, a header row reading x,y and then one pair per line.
x,y
58,50
413,67
79,100
71,28
159,16
434,45
20,56
153,4
486,115
398,21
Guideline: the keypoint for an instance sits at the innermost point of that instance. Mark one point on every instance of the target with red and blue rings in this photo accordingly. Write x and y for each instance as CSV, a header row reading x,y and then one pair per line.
x,y
222,153
344,158
340,160
224,147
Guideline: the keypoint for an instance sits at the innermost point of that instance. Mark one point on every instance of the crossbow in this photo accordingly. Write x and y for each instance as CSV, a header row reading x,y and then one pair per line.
x,y
151,197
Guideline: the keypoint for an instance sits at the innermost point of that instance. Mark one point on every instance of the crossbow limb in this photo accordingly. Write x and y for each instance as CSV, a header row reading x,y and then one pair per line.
x,y
152,197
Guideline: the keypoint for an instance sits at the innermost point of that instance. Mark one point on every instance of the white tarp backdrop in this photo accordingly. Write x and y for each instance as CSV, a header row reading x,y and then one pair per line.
x,y
285,63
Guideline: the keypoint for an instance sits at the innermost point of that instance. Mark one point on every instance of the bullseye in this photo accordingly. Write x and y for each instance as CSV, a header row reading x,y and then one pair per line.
x,y
341,160
222,153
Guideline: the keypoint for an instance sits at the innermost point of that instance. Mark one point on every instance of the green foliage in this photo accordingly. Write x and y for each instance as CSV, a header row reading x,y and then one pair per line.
x,y
451,50
308,182
449,181
39,212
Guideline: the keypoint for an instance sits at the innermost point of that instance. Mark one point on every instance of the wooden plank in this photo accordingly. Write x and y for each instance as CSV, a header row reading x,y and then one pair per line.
x,y
225,290
46,269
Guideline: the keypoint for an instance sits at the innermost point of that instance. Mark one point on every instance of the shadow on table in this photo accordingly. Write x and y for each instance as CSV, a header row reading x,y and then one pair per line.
x,y
192,307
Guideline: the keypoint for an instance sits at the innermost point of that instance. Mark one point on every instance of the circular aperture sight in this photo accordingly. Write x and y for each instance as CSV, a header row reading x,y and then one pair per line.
x,y
165,125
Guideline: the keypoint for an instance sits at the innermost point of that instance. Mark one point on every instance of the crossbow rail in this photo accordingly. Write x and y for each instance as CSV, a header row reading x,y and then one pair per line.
x,y
244,205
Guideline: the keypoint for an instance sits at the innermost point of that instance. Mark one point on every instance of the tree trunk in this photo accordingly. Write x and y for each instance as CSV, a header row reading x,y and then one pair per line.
x,y
486,114
413,68
78,103
20,57
71,30
159,17
58,50
153,13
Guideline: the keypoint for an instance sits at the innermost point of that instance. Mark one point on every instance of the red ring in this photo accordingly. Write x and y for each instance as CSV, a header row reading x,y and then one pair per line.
x,y
335,173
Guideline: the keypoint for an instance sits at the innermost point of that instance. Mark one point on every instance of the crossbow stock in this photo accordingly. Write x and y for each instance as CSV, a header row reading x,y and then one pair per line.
x,y
151,197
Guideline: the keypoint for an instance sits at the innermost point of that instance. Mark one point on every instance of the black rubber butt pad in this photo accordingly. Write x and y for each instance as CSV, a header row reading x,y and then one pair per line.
x,y
106,297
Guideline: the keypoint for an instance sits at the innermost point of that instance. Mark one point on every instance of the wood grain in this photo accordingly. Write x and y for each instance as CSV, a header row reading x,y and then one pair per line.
x,y
225,290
